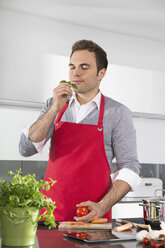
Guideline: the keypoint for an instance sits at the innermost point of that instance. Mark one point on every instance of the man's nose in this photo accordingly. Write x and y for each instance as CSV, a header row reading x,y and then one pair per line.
x,y
76,71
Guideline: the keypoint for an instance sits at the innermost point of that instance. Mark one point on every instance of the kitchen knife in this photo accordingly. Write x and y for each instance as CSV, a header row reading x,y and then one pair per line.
x,y
133,223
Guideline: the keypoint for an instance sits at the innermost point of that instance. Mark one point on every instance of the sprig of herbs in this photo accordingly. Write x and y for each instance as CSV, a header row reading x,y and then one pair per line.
x,y
73,85
24,192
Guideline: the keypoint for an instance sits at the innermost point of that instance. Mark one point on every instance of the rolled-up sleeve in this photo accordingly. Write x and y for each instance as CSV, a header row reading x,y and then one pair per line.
x,y
125,149
127,176
28,148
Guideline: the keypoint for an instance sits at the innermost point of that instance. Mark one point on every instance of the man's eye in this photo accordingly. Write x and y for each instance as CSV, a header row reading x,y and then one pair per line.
x,y
85,67
71,67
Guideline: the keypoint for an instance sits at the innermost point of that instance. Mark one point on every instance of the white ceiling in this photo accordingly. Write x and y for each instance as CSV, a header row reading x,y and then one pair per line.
x,y
142,18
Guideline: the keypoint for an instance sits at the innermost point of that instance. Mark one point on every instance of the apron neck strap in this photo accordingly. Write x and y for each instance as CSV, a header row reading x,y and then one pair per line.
x,y
100,121
62,111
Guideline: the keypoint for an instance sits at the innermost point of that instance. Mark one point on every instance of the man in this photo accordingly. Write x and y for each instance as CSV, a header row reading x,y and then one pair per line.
x,y
86,133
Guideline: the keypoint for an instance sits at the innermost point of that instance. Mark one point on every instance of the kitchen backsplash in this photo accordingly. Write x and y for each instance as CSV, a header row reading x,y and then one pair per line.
x,y
153,170
39,168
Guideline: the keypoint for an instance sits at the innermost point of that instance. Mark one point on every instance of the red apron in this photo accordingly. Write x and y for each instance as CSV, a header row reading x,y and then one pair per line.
x,y
78,162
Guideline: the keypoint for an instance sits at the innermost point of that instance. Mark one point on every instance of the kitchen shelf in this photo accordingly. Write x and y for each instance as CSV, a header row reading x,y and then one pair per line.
x,y
39,105
22,104
148,115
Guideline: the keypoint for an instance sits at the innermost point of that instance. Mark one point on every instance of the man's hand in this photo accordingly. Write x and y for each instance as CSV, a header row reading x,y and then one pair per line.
x,y
95,211
60,94
39,129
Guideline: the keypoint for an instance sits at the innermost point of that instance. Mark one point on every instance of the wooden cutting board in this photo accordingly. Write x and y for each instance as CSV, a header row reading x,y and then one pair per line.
x,y
66,226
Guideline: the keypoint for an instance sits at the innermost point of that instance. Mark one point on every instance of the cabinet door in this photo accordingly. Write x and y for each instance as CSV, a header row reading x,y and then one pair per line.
x,y
127,210
140,90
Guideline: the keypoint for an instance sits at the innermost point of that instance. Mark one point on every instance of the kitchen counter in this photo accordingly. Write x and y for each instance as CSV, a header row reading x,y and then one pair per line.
x,y
54,238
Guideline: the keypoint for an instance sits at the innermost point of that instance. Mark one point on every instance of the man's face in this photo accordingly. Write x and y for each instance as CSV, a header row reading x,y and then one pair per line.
x,y
83,72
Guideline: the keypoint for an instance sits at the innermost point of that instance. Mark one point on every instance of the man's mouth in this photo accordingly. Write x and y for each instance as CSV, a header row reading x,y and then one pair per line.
x,y
77,82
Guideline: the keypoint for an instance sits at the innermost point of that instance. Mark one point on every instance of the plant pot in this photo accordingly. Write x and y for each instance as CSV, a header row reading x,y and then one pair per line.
x,y
20,231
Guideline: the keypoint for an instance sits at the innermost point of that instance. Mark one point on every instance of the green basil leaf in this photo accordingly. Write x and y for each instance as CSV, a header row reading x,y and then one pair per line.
x,y
63,81
74,86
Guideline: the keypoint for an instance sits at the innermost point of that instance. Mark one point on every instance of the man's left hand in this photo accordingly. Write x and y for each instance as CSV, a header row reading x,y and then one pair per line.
x,y
95,211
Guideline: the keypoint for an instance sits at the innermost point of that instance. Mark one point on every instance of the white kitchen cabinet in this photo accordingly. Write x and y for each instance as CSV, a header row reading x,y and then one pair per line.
x,y
13,121
127,210
26,38
54,69
140,90
150,135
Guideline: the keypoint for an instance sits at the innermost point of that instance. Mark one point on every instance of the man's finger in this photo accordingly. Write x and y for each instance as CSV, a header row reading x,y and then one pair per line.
x,y
85,218
86,204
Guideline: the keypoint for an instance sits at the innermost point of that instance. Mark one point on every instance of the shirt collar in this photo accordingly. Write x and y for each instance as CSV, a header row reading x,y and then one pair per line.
x,y
96,100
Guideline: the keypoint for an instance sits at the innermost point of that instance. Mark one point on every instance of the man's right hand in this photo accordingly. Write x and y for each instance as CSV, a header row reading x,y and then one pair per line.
x,y
60,94
39,129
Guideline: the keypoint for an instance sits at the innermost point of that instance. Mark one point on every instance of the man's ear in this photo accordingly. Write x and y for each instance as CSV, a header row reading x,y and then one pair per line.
x,y
101,73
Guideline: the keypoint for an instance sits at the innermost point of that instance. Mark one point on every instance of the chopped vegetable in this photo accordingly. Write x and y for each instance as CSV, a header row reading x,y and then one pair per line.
x,y
78,223
99,221
123,227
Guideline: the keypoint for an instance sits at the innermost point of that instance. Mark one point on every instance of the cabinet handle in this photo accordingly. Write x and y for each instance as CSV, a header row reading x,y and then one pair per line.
x,y
148,184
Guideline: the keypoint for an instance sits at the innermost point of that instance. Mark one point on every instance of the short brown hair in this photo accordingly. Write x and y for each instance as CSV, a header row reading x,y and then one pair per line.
x,y
100,54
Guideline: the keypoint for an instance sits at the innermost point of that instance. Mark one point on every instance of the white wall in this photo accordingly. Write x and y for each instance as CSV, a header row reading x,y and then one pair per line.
x,y
150,136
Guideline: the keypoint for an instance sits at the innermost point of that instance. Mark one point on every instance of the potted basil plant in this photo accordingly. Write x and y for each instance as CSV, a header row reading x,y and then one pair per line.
x,y
20,203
